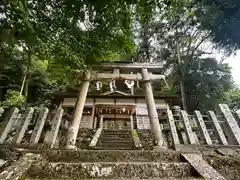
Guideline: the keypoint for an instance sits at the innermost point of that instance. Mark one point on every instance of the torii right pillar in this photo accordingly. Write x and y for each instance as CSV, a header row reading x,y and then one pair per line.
x,y
152,111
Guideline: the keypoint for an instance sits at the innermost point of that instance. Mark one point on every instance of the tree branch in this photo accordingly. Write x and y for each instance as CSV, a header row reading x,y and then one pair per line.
x,y
200,43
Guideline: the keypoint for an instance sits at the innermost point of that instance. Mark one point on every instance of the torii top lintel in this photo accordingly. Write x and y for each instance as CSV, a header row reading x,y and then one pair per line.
x,y
131,67
127,71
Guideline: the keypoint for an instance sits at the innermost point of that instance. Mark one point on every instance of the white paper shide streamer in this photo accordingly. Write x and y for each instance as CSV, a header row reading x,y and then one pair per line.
x,y
129,83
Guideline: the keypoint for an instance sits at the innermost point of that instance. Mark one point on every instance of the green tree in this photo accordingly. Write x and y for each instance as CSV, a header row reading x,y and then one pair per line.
x,y
206,82
232,98
171,35
222,19
45,41
71,34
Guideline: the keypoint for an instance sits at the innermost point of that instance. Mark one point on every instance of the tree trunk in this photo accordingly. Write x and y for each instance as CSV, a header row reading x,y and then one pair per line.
x,y
26,92
181,81
27,77
23,82
1,93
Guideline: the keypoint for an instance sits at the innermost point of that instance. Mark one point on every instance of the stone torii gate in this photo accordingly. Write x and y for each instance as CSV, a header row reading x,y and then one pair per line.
x,y
138,72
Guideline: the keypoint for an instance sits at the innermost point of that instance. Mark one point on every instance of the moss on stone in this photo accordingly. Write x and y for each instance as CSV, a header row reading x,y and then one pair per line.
x,y
227,165
111,156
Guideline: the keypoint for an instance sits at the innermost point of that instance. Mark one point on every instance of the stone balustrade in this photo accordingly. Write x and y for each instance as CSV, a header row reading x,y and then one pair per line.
x,y
40,128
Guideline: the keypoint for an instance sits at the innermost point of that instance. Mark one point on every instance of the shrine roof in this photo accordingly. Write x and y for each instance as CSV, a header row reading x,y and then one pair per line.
x,y
114,94
171,99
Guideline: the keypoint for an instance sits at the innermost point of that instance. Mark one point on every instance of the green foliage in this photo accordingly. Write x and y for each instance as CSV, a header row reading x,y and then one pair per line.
x,y
67,35
222,19
180,127
134,133
206,82
232,98
48,43
41,86
196,128
13,99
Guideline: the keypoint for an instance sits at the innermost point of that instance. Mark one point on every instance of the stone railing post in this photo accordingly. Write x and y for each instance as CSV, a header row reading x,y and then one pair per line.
x,y
203,128
152,111
173,130
56,121
79,106
95,138
1,111
136,139
8,127
101,122
217,127
95,123
238,115
39,126
131,121
231,124
27,117
188,128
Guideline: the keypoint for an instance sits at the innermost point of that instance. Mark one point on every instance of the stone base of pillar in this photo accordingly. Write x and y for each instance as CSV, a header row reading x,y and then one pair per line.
x,y
160,148
71,147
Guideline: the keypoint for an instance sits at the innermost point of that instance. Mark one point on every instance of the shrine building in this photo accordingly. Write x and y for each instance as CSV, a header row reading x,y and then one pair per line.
x,y
120,96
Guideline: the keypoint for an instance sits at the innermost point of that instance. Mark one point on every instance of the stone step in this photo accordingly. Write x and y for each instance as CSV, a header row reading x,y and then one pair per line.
x,y
109,170
111,156
147,144
146,139
115,132
116,135
190,178
113,137
107,143
116,146
113,148
116,141
145,134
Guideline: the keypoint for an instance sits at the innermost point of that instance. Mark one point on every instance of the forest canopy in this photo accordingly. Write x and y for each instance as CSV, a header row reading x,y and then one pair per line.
x,y
42,42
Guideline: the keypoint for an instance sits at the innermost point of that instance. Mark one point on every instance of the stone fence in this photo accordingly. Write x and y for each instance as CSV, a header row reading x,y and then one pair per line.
x,y
204,130
40,128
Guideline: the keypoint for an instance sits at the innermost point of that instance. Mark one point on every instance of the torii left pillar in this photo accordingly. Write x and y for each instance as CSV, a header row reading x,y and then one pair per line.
x,y
74,127
152,111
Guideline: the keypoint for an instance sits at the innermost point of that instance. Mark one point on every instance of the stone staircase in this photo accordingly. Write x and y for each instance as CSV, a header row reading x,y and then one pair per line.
x,y
111,164
146,138
115,139
84,138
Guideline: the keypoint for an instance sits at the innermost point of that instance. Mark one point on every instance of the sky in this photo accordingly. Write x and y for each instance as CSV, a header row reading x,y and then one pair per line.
x,y
234,62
